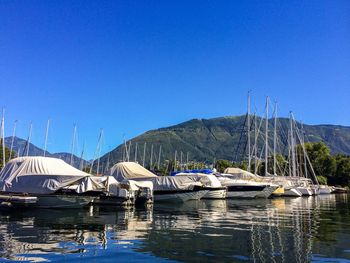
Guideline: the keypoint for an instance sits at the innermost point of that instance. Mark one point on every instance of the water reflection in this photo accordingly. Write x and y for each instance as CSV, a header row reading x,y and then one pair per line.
x,y
276,230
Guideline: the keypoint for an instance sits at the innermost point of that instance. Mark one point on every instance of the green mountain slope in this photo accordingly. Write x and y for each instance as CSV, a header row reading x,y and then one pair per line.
x,y
220,138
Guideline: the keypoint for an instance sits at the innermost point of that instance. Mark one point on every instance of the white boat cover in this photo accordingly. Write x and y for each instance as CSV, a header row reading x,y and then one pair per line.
x,y
238,173
130,170
38,175
206,179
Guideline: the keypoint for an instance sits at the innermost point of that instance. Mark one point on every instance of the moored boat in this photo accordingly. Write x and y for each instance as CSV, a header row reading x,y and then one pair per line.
x,y
165,188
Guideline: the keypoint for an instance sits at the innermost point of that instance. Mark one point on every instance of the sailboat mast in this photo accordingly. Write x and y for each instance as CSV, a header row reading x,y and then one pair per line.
x,y
46,135
129,151
274,139
175,160
13,138
187,161
304,155
160,152
181,160
255,144
3,136
99,151
266,135
29,138
248,120
81,166
151,161
135,153
144,154
292,145
73,144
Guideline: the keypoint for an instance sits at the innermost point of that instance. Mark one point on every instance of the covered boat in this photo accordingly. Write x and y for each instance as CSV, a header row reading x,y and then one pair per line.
x,y
210,182
51,183
165,188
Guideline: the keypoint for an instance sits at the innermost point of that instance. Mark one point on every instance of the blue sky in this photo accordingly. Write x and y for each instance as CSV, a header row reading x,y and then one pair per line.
x,y
131,66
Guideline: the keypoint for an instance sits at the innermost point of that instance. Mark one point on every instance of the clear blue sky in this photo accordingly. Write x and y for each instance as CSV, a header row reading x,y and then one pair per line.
x,y
131,66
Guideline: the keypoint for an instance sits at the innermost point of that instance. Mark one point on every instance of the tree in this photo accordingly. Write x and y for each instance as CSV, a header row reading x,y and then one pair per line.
x,y
342,174
221,165
7,155
321,159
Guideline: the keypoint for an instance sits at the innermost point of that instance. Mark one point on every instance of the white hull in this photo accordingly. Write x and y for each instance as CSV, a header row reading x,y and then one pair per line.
x,y
305,191
325,190
216,194
179,197
265,193
293,192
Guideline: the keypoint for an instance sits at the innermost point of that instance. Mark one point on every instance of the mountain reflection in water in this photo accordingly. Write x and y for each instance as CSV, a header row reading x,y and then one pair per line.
x,y
275,230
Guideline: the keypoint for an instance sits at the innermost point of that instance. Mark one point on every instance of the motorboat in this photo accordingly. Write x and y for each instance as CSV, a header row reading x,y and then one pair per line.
x,y
165,188
210,182
242,184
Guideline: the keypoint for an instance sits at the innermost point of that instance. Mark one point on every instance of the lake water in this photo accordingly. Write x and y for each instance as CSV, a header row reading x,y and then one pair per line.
x,y
310,229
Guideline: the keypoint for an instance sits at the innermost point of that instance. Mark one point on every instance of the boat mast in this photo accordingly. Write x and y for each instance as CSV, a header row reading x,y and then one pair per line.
x,y
81,166
248,122
187,161
266,134
29,138
96,152
99,152
46,135
292,145
73,144
135,153
129,151
144,154
13,138
303,143
274,139
255,144
181,160
151,161
3,137
175,160
160,152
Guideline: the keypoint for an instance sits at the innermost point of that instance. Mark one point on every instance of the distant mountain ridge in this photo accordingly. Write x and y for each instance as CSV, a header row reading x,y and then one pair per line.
x,y
220,138
19,146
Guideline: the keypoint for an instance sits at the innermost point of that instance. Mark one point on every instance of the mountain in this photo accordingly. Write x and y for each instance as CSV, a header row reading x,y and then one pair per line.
x,y
222,138
19,146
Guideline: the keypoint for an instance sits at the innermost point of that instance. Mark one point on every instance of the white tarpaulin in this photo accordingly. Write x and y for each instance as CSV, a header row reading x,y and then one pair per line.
x,y
206,179
38,175
130,170
238,173
134,171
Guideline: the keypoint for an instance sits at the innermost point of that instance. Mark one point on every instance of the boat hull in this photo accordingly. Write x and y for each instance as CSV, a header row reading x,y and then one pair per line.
x,y
216,193
325,190
63,201
247,191
305,191
279,191
292,192
178,196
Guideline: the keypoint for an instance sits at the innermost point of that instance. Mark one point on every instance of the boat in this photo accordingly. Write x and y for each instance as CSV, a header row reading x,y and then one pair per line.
x,y
291,191
45,182
325,189
243,184
210,182
165,188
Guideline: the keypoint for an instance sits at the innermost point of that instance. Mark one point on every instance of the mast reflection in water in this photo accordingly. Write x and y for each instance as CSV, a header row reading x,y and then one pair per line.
x,y
276,230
